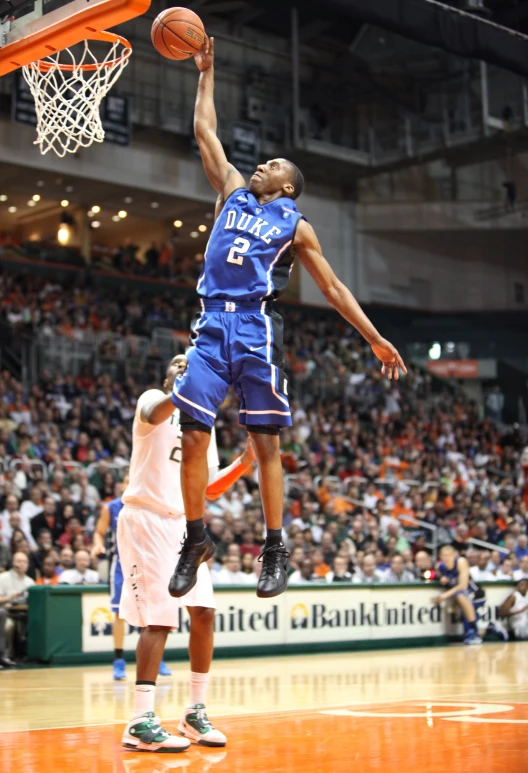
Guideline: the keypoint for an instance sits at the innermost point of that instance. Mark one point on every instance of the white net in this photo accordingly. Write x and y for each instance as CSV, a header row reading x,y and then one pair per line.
x,y
68,94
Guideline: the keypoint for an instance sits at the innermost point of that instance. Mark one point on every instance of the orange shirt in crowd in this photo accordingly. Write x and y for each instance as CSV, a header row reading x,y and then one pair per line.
x,y
46,580
322,570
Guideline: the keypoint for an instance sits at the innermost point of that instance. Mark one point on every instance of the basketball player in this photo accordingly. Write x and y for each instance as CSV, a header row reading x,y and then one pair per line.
x,y
108,520
238,336
150,528
454,572
515,608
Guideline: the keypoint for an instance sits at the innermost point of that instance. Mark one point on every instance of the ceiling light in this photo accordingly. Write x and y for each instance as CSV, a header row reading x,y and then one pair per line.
x,y
69,189
194,234
178,224
36,197
209,215
122,213
95,223
91,213
116,218
128,199
65,203
435,351
96,209
12,209
63,234
3,197
202,228
154,204
32,203
40,184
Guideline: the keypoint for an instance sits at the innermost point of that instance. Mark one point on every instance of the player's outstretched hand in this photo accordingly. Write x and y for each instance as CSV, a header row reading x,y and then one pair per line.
x,y
390,357
205,57
97,552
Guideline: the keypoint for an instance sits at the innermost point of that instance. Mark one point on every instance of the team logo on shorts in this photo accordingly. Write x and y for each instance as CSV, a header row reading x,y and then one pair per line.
x,y
101,622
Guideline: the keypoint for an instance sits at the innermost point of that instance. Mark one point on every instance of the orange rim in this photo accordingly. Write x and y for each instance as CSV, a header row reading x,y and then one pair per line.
x,y
107,37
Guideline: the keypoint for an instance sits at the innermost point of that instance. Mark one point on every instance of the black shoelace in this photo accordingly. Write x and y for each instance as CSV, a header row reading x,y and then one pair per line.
x,y
271,556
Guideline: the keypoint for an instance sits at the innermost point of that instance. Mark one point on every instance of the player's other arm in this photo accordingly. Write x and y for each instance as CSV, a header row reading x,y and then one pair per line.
x,y
159,410
221,174
102,526
308,250
505,609
463,581
224,479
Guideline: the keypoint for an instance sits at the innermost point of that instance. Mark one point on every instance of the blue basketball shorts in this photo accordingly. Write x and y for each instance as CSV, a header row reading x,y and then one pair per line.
x,y
116,583
238,344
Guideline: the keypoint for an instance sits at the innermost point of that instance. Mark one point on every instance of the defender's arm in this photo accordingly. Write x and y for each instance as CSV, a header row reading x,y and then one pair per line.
x,y
221,174
102,526
308,250
225,478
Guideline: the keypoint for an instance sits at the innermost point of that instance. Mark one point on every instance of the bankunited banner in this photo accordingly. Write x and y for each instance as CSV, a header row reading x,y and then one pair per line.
x,y
303,617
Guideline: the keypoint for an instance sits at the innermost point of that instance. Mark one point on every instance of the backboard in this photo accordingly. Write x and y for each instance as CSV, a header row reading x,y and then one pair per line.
x,y
33,29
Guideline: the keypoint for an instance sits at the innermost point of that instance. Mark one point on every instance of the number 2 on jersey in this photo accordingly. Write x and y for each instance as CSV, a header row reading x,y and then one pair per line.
x,y
238,250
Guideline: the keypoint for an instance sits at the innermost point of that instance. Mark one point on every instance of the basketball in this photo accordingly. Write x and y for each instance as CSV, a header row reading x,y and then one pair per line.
x,y
178,33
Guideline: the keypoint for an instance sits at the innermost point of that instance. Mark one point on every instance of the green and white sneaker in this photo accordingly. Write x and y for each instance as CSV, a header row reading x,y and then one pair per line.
x,y
197,727
145,734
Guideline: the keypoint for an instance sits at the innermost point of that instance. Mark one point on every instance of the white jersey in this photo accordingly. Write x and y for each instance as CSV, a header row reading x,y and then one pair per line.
x,y
519,623
156,460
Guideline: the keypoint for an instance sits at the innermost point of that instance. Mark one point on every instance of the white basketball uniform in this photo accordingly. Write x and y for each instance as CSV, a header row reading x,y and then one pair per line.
x,y
519,623
151,525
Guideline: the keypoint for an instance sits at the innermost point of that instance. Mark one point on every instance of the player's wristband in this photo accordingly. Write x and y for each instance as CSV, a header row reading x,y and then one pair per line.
x,y
226,478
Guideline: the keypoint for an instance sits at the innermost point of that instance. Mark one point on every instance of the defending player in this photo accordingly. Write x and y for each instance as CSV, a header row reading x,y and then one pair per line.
x,y
454,571
515,608
108,520
150,530
238,336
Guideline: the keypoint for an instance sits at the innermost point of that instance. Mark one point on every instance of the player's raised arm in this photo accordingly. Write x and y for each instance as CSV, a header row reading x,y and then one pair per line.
x,y
221,174
224,479
309,252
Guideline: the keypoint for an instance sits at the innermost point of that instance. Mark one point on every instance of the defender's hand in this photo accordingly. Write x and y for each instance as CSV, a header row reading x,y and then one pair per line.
x,y
390,358
96,551
205,57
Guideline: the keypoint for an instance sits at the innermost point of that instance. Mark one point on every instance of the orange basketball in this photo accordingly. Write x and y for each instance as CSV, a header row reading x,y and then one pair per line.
x,y
178,33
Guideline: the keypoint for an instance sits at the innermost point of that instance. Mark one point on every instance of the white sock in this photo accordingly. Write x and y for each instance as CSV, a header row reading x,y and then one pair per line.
x,y
144,697
198,684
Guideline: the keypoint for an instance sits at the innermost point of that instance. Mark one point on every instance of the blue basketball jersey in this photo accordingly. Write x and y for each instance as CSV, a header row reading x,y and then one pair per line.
x,y
114,507
249,255
452,576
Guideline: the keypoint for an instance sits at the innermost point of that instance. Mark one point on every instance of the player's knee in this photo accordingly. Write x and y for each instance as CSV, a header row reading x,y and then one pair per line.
x,y
194,443
159,630
202,618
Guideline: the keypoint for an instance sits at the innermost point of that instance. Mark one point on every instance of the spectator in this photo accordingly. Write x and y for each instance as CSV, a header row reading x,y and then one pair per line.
x,y
394,530
14,586
231,573
49,574
423,566
506,570
321,569
481,572
367,572
32,506
305,575
494,562
397,573
522,571
85,492
72,529
460,542
340,571
249,545
66,559
47,519
521,549
81,575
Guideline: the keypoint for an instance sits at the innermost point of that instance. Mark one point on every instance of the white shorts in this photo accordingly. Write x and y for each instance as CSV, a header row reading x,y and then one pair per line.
x,y
149,547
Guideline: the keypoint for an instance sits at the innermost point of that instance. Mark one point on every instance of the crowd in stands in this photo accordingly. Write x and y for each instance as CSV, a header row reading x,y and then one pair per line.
x,y
377,472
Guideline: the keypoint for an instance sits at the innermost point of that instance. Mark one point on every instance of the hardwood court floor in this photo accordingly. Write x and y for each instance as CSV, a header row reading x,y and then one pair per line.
x,y
455,708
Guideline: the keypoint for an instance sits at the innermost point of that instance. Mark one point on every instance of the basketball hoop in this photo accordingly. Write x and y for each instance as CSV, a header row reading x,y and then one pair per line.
x,y
68,95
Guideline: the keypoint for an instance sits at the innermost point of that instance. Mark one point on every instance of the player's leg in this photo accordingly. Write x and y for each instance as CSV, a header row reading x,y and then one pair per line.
x,y
145,546
195,723
261,385
198,393
470,616
118,627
